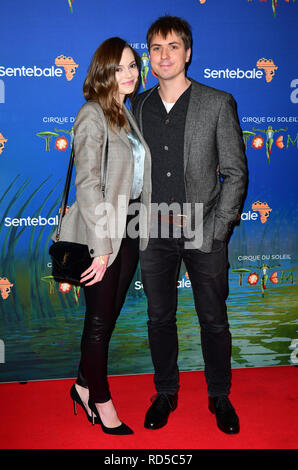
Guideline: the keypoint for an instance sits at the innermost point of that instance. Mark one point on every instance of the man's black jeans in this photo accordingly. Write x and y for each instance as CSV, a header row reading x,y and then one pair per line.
x,y
208,273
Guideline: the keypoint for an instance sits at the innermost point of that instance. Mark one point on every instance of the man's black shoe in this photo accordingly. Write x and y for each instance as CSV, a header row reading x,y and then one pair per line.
x,y
158,413
226,417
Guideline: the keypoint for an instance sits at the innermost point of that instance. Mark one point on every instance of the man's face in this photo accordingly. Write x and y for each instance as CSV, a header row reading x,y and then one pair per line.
x,y
168,56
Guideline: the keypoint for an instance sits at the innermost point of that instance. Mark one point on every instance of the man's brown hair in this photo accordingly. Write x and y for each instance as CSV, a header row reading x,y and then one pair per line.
x,y
167,24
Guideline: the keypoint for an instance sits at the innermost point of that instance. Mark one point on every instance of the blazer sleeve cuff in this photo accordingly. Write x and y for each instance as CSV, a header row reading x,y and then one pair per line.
x,y
100,248
221,229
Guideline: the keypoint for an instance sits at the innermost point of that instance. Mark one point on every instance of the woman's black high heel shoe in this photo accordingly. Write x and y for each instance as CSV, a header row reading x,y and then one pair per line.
x,y
77,400
119,430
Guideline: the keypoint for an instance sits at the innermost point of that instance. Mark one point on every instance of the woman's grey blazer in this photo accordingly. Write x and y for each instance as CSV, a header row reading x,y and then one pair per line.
x,y
94,220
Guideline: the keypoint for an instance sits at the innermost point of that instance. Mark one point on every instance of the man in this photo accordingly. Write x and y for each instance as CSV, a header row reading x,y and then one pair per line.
x,y
197,157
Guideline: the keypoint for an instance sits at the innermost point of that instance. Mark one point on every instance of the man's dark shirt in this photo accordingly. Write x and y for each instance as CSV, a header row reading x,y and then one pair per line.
x,y
164,134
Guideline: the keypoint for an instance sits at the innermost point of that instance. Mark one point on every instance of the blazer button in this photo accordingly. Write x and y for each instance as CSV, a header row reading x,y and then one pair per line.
x,y
91,251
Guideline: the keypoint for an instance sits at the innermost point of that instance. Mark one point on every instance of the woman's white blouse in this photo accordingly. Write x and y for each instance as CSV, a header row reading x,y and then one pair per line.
x,y
138,151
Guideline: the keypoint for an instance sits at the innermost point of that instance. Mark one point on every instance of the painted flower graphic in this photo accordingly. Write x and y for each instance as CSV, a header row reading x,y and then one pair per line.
x,y
279,142
64,287
273,278
61,143
257,142
253,279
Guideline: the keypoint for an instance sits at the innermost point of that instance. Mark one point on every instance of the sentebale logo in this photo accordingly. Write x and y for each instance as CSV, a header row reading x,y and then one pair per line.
x,y
5,287
266,67
2,143
269,68
2,92
68,64
64,64
263,209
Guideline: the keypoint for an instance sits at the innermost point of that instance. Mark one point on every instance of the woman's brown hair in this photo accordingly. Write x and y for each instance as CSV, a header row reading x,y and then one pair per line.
x,y
101,85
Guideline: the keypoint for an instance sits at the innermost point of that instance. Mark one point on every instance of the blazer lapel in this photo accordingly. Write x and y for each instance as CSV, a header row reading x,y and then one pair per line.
x,y
135,127
123,136
192,118
147,162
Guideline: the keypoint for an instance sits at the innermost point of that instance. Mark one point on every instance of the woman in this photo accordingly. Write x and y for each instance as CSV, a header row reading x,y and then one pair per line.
x,y
97,220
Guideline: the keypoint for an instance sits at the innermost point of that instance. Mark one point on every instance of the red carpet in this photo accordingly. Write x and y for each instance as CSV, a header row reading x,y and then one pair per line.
x,y
39,415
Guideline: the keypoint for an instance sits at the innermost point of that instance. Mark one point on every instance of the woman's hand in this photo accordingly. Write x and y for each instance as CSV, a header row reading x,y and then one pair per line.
x,y
98,268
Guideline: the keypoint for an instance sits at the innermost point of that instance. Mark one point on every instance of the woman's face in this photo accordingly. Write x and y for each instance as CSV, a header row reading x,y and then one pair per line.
x,y
126,74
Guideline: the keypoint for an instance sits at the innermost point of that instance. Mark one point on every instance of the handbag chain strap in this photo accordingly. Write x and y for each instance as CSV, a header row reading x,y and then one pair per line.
x,y
68,180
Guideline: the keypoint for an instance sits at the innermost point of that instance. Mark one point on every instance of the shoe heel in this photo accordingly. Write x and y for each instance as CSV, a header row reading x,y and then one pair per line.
x,y
119,430
75,407
94,412
211,407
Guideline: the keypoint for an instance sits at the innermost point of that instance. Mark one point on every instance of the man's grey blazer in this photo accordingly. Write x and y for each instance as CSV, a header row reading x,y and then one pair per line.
x,y
212,141
93,220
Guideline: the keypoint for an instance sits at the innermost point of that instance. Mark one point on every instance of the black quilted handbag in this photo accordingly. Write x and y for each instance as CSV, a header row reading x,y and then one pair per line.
x,y
70,260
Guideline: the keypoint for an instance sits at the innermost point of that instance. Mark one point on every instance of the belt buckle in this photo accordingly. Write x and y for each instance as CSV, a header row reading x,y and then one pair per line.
x,y
182,221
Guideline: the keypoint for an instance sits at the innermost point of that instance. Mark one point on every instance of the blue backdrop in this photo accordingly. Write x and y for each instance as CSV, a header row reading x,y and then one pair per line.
x,y
245,47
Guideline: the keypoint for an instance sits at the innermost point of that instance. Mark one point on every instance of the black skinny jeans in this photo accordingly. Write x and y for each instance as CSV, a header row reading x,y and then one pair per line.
x,y
160,266
104,301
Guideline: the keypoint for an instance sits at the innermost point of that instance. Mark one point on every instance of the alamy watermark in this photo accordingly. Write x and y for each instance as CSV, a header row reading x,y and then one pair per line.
x,y
2,352
165,220
294,93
